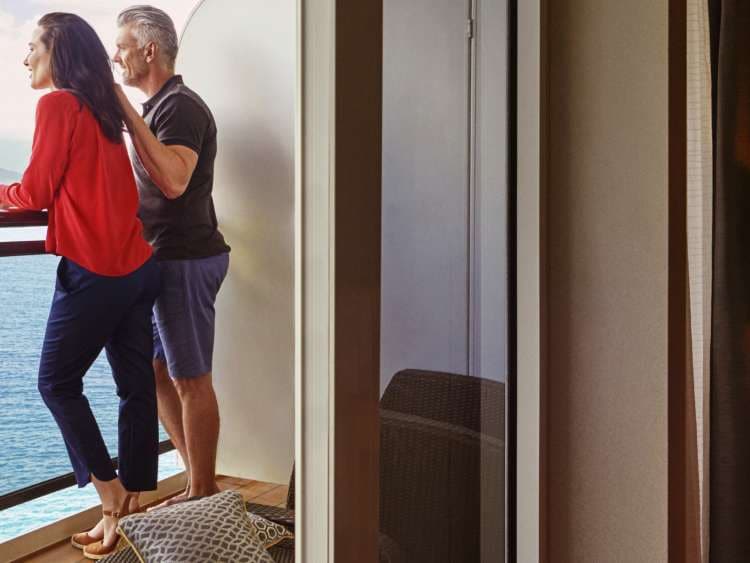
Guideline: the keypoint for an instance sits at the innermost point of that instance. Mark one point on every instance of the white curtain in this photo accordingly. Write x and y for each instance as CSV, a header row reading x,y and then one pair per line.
x,y
700,220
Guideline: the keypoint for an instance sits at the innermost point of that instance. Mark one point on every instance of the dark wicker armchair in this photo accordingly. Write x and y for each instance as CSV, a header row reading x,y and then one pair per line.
x,y
442,471
442,467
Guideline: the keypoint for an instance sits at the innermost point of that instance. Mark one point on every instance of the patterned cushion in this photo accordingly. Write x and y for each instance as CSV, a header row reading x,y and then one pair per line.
x,y
269,533
127,555
214,529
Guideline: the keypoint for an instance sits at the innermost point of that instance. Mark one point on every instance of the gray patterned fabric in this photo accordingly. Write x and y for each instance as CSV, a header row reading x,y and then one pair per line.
x,y
125,556
269,533
283,552
211,530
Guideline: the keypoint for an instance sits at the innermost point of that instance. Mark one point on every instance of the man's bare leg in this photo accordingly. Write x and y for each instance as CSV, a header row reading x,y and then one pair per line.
x,y
200,422
170,414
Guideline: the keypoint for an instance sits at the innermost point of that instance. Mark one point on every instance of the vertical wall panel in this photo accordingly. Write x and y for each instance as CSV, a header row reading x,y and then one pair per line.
x,y
607,281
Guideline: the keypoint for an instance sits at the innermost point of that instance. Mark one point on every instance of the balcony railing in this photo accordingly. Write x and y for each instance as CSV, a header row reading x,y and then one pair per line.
x,y
14,218
56,484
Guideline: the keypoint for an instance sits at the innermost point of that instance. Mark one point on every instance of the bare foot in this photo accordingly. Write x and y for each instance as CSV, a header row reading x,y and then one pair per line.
x,y
182,497
196,492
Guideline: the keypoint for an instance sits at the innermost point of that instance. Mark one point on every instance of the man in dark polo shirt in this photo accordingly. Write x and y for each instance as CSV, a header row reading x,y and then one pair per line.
x,y
174,148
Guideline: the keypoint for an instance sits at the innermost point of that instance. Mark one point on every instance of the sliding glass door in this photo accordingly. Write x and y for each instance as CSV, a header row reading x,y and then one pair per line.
x,y
444,325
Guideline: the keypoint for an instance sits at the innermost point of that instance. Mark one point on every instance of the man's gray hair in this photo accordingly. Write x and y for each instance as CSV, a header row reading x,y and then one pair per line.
x,y
149,25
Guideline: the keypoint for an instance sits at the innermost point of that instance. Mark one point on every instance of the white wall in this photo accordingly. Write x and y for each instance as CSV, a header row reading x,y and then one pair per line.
x,y
242,62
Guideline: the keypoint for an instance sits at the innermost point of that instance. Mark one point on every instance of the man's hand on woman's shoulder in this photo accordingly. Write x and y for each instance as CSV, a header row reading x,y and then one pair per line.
x,y
127,107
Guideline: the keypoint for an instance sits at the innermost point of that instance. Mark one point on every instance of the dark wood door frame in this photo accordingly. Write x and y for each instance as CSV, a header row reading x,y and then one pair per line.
x,y
681,526
358,138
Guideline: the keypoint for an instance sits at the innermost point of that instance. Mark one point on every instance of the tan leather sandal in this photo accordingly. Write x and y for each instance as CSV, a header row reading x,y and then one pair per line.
x,y
98,550
83,539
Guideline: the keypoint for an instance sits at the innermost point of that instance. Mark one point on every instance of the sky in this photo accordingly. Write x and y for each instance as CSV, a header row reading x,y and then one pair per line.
x,y
17,100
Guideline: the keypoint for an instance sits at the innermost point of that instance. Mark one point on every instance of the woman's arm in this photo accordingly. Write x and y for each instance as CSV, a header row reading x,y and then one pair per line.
x,y
170,166
56,115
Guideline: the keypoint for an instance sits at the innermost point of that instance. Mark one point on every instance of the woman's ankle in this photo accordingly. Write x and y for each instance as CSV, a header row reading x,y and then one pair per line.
x,y
134,502
112,494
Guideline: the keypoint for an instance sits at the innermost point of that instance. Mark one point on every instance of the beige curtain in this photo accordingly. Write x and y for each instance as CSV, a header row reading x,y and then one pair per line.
x,y
700,218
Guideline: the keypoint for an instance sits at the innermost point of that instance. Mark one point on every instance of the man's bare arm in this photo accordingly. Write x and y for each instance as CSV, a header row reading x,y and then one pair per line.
x,y
169,167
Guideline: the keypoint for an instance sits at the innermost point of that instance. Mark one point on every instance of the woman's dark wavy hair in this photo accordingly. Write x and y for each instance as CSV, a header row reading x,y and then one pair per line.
x,y
80,63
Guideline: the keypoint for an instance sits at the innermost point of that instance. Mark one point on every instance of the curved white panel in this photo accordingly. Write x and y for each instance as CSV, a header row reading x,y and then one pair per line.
x,y
242,62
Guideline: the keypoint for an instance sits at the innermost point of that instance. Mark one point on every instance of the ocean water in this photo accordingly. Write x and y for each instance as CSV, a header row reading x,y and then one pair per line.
x,y
31,446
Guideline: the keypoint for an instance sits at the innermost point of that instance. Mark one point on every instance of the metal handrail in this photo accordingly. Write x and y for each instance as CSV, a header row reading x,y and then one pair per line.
x,y
23,248
22,218
56,484
17,218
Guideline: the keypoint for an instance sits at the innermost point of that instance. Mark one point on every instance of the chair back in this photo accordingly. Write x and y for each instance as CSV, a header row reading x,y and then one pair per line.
x,y
470,402
442,467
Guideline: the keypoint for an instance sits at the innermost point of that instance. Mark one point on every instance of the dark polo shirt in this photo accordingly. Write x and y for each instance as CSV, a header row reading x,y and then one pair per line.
x,y
186,227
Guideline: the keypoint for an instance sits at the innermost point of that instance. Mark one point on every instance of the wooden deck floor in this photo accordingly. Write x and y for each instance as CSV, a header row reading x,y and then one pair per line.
x,y
262,493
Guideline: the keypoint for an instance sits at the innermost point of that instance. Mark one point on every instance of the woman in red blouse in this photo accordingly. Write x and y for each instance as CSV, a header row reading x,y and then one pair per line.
x,y
107,280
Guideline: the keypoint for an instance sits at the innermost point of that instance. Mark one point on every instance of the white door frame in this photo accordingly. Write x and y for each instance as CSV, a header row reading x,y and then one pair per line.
x,y
530,282
314,288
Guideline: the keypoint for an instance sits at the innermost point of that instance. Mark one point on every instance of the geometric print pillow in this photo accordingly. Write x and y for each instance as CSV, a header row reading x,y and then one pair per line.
x,y
126,555
215,529
269,533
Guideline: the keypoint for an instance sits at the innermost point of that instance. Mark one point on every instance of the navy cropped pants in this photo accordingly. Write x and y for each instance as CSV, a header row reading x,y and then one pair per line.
x,y
90,313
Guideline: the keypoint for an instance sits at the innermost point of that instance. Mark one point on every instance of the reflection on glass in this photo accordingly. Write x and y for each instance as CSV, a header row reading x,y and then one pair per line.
x,y
444,302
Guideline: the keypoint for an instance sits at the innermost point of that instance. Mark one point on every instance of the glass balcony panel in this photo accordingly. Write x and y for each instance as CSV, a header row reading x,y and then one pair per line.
x,y
18,234
31,446
41,512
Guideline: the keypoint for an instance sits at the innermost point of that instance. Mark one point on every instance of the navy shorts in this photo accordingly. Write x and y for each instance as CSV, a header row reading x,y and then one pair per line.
x,y
184,314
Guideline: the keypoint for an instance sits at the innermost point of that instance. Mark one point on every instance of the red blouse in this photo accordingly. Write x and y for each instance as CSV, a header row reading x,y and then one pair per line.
x,y
86,182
